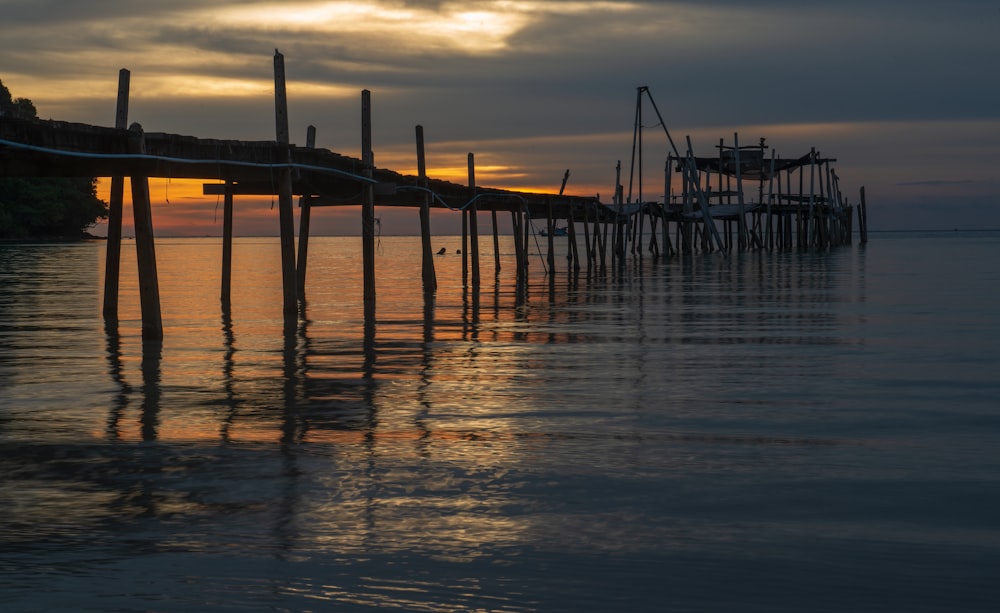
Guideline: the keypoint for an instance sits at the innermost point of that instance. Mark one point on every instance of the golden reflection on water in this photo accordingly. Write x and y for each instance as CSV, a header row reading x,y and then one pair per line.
x,y
247,375
365,393
426,433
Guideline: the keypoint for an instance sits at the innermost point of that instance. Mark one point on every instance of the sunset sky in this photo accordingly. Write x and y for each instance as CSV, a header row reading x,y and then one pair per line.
x,y
903,93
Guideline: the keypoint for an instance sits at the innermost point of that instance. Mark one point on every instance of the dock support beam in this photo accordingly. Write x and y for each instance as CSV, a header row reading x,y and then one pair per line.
x,y
113,255
496,244
427,258
863,217
368,207
286,219
149,286
227,245
473,223
305,212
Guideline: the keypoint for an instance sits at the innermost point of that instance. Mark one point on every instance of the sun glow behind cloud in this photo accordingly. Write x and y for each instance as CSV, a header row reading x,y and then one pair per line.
x,y
451,26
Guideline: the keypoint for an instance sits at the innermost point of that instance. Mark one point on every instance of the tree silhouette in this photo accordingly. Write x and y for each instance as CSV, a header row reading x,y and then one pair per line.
x,y
44,207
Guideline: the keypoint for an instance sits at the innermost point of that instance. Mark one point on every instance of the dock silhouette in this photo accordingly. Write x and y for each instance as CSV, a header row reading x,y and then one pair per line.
x,y
319,177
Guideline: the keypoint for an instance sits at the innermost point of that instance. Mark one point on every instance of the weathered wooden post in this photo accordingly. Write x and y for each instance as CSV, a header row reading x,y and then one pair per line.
x,y
550,225
149,286
516,220
112,257
770,199
574,249
427,268
465,246
863,217
664,229
741,224
473,222
368,206
305,213
496,242
812,197
227,244
286,219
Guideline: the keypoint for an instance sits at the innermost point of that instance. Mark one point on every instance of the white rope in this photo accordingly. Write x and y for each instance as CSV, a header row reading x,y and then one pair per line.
x,y
146,156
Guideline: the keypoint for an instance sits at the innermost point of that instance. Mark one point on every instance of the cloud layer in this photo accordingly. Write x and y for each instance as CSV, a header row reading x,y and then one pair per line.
x,y
534,87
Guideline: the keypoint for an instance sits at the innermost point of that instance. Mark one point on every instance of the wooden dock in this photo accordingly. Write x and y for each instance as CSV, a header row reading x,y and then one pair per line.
x,y
787,216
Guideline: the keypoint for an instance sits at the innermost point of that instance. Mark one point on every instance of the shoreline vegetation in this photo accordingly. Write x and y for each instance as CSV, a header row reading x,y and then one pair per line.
x,y
49,208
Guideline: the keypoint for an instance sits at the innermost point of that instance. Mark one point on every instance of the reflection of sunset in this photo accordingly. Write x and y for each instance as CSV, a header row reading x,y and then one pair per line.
x,y
322,383
405,437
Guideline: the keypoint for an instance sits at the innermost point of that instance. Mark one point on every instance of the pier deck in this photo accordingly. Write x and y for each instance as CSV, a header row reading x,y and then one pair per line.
x,y
712,193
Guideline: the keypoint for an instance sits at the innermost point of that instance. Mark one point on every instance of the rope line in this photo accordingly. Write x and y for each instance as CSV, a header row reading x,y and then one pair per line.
x,y
147,156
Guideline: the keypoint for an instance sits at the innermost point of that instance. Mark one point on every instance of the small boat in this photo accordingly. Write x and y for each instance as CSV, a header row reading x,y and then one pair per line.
x,y
555,232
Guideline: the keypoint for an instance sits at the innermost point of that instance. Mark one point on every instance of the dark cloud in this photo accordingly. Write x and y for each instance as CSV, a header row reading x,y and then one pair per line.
x,y
712,65
933,182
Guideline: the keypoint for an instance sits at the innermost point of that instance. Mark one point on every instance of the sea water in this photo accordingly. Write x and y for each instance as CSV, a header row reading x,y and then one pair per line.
x,y
805,431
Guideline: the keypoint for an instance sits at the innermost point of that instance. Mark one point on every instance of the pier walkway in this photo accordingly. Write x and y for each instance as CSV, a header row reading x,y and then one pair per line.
x,y
319,177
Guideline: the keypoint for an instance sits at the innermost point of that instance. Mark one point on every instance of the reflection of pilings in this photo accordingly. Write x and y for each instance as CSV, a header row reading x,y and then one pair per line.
x,y
115,369
229,341
290,380
426,365
152,352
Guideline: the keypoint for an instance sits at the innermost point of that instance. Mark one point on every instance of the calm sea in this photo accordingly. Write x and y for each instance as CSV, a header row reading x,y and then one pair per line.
x,y
754,432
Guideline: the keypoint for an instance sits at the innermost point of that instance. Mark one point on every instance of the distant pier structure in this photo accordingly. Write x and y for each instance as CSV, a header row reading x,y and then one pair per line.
x,y
745,197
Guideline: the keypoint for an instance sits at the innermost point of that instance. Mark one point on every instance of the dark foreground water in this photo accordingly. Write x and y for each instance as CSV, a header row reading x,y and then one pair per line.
x,y
762,432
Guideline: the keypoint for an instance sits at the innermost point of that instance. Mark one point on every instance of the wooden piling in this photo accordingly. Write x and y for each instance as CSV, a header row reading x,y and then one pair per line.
x,y
515,220
427,251
286,219
368,207
465,247
227,245
768,237
550,226
112,256
496,244
812,198
665,229
574,251
473,223
741,222
305,214
863,217
149,286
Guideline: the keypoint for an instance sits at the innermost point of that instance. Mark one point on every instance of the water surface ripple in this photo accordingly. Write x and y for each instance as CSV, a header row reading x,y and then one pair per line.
x,y
754,432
